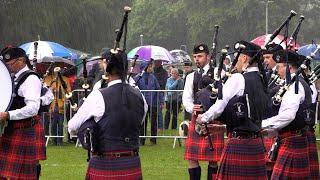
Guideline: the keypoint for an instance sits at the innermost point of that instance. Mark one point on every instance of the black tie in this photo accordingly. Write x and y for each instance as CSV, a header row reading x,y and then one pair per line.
x,y
201,71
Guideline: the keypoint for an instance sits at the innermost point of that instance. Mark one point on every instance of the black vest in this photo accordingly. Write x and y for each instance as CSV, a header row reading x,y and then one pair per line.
x,y
305,114
236,114
18,101
119,127
201,91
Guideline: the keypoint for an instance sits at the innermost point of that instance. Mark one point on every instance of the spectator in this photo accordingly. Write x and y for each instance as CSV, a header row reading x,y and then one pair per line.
x,y
173,99
162,75
147,81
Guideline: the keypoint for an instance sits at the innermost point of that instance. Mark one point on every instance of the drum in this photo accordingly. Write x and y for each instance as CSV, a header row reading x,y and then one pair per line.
x,y
6,89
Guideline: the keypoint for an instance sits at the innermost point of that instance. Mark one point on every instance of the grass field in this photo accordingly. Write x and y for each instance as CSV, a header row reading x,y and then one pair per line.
x,y
159,161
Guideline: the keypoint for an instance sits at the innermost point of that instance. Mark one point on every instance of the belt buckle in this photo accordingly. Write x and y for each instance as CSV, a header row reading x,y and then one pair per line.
x,y
234,134
127,139
117,155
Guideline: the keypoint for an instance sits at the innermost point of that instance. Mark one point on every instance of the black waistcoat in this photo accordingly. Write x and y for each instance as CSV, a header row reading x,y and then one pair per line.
x,y
244,113
305,114
119,127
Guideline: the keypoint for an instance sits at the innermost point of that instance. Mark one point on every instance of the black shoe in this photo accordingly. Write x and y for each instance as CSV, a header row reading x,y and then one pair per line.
x,y
142,142
153,141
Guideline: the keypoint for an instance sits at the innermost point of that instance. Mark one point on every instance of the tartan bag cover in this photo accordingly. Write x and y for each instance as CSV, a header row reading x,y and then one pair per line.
x,y
197,147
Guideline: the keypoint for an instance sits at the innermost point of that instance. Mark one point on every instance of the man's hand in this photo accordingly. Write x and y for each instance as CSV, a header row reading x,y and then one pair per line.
x,y
269,133
4,116
199,119
197,108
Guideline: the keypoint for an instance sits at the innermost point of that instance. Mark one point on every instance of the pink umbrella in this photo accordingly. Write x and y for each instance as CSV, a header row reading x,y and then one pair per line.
x,y
261,40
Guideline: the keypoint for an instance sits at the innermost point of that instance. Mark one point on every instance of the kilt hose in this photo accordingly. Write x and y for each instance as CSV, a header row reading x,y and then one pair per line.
x,y
243,159
123,168
18,154
40,139
293,160
313,155
197,147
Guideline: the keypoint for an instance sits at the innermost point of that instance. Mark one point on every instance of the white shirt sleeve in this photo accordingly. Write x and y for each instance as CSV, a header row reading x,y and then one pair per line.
x,y
187,96
233,86
93,106
30,89
288,108
47,98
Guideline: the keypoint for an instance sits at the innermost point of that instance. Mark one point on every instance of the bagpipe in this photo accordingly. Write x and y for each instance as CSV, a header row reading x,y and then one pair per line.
x,y
314,76
89,129
275,78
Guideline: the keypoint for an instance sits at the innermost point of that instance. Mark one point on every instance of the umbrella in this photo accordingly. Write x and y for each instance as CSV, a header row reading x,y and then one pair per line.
x,y
180,56
147,52
47,53
46,49
261,40
309,49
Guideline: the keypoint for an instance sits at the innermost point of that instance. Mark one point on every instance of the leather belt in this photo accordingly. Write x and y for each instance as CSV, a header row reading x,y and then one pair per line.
x,y
116,154
244,135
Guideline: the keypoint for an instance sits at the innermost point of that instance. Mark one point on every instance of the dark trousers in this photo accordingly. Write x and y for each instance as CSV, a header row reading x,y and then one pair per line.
x,y
172,108
152,114
57,127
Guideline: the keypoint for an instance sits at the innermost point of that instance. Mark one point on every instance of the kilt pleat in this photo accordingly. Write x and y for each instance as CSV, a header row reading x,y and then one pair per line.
x,y
197,147
40,140
313,155
124,168
243,159
18,154
292,161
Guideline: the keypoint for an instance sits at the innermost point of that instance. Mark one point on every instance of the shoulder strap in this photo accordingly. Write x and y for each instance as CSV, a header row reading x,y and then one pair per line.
x,y
23,77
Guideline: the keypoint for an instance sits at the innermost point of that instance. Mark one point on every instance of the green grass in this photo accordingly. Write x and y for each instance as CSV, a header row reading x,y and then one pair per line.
x,y
159,161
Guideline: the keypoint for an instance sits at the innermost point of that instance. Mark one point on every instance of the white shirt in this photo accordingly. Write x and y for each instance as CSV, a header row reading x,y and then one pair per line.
x,y
93,106
234,86
187,96
288,109
47,98
30,89
314,93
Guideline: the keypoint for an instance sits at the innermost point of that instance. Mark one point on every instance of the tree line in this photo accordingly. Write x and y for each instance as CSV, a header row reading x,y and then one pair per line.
x,y
89,25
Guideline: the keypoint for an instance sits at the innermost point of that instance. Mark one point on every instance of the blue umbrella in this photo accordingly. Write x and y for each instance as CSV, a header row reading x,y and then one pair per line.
x,y
46,49
307,50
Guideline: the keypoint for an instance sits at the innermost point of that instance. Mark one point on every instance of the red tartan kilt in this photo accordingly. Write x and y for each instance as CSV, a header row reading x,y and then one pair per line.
x,y
40,139
124,168
197,147
292,161
268,142
18,154
243,159
313,155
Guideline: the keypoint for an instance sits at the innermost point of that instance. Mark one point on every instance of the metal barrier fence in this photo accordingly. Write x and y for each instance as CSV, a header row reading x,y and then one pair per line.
x,y
162,121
